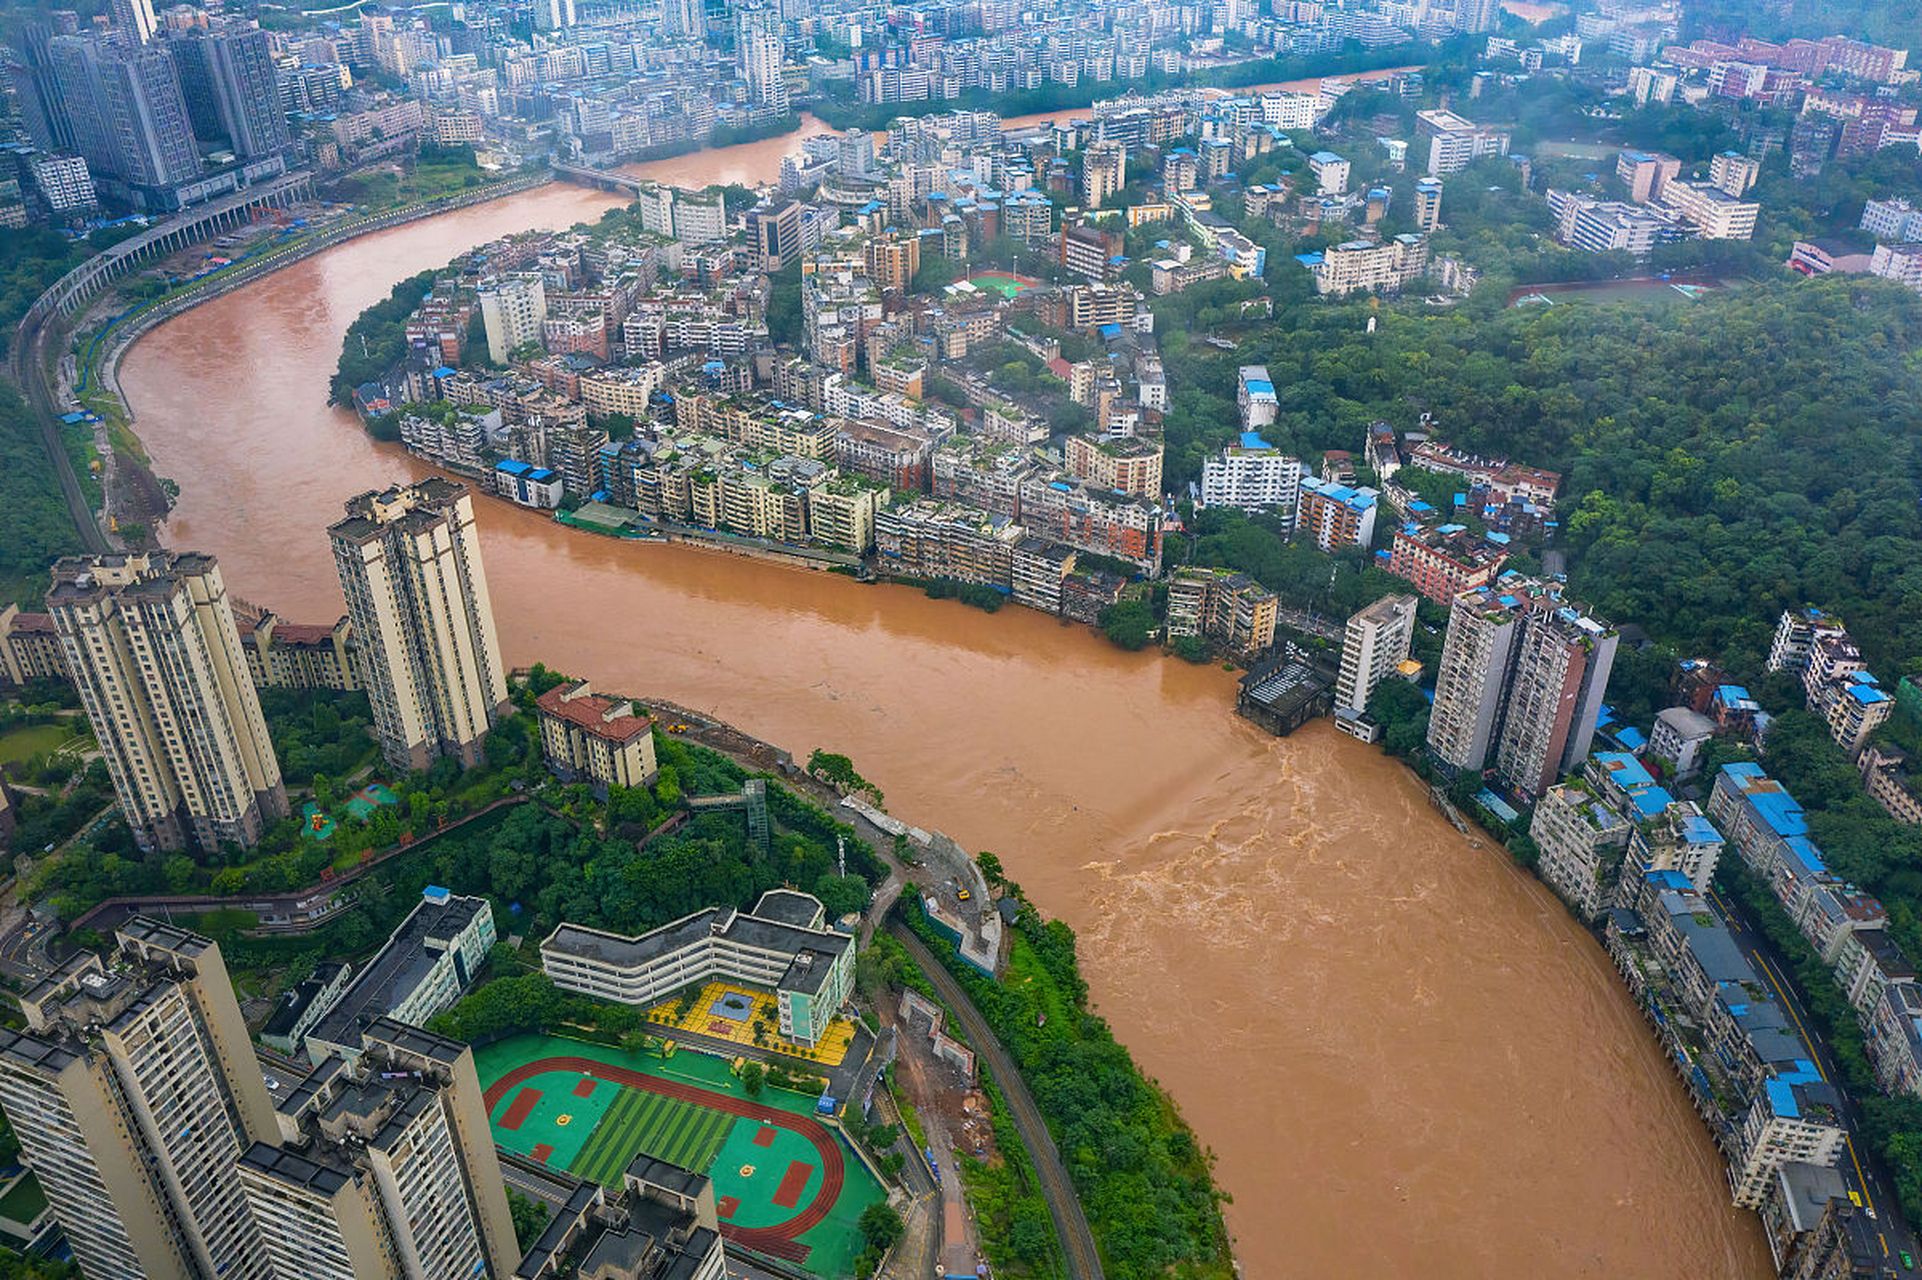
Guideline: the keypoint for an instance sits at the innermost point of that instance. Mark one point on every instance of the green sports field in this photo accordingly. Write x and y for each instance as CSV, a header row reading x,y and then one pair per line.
x,y
784,1183
665,1128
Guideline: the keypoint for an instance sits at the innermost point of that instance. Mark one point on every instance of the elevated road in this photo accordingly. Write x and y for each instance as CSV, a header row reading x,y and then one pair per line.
x,y
1070,1223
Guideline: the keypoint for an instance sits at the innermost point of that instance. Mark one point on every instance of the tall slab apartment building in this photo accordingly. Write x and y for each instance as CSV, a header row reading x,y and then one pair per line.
x,y
152,647
1522,677
133,1092
142,1111
410,565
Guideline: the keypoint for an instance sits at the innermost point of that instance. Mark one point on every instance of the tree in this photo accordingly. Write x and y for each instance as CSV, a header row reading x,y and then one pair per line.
x,y
784,317
530,1218
838,771
881,1226
841,895
1130,624
936,273
753,1077
1401,710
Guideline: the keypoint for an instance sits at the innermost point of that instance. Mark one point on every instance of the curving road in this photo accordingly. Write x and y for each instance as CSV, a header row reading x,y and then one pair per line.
x,y
1070,1223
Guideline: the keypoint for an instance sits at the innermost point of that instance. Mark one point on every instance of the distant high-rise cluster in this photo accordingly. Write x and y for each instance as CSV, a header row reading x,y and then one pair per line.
x,y
153,113
759,50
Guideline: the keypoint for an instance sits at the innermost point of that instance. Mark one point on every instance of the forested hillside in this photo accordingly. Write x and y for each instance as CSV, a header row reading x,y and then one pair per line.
x,y
1724,459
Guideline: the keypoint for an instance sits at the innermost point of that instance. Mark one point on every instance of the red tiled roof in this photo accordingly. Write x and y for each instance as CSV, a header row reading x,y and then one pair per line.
x,y
302,633
588,711
33,624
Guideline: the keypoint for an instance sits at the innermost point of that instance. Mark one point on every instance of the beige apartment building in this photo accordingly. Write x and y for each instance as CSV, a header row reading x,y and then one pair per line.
x,y
410,564
841,513
603,739
29,647
133,1092
384,1167
1374,644
297,655
1131,464
152,646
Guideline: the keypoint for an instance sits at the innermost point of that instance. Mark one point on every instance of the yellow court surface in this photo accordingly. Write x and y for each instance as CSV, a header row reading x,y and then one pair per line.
x,y
728,1011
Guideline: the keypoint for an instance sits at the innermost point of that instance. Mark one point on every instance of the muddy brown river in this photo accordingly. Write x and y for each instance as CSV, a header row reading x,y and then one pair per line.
x,y
1408,1058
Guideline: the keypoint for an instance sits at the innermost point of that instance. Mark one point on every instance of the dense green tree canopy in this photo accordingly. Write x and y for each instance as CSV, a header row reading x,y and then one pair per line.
x,y
1723,460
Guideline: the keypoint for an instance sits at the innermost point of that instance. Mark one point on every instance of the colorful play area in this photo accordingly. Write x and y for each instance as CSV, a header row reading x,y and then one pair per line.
x,y
727,1011
318,824
785,1184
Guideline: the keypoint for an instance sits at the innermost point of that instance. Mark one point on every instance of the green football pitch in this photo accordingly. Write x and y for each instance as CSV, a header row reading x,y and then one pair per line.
x,y
665,1128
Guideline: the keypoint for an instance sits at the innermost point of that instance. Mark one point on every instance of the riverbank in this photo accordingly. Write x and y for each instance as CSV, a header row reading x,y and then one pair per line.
x,y
128,327
1052,100
85,379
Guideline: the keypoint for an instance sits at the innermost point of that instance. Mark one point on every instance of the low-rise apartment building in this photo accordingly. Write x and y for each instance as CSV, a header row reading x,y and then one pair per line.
x,y
1229,608
423,969
1362,265
291,655
1334,516
1713,212
1038,571
1127,464
929,538
1454,142
603,739
1444,561
1088,518
29,647
1255,398
981,473
1582,840
1252,475
840,512
897,457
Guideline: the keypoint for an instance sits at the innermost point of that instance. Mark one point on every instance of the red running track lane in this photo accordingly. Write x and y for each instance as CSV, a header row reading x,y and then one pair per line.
x,y
523,1104
776,1240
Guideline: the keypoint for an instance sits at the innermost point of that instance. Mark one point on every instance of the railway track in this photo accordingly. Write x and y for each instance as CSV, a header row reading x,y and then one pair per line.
x,y
29,373
1070,1223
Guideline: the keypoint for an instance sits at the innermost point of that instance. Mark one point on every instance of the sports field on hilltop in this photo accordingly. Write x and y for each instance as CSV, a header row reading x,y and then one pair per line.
x,y
1004,283
784,1183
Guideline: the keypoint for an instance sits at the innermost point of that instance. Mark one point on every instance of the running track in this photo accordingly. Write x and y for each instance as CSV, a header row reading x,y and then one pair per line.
x,y
780,1241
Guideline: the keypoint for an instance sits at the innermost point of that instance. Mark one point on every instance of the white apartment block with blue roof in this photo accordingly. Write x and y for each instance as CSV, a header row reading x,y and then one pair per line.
x,y
1678,839
1781,1109
1252,475
1255,397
